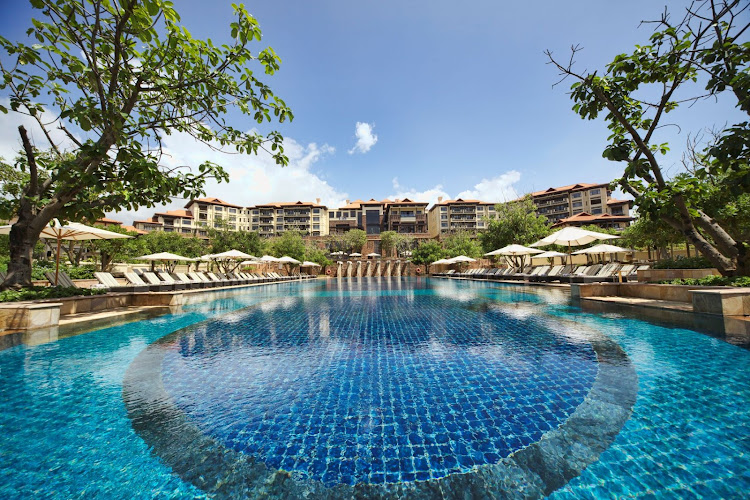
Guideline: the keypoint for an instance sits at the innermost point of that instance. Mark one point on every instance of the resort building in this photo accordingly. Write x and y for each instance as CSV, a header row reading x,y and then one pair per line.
x,y
272,219
607,221
216,213
406,216
592,199
365,215
451,216
105,221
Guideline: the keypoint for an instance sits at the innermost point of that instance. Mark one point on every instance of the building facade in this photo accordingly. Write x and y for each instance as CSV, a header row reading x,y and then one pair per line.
x,y
273,219
452,216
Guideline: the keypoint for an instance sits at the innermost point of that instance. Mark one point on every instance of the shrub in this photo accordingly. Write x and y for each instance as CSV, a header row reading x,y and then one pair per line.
x,y
684,263
42,292
739,281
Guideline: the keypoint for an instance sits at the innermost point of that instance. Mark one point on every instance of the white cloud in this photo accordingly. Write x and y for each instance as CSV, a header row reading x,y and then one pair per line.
x,y
253,179
10,139
365,138
497,189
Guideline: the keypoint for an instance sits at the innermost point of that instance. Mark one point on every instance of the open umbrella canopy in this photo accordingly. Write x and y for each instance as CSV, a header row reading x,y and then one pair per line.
x,y
337,253
373,254
572,236
604,248
460,258
70,231
549,255
164,256
231,254
288,260
439,262
513,250
307,263
355,254
268,258
250,263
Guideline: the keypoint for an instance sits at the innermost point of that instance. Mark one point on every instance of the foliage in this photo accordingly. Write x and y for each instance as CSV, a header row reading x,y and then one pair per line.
x,y
428,252
85,272
462,243
116,78
683,263
162,241
516,222
315,254
335,242
223,239
649,232
355,240
388,240
404,242
708,45
120,249
738,281
46,292
290,243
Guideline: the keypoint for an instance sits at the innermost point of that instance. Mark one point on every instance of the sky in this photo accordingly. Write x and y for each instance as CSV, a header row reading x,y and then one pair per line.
x,y
417,98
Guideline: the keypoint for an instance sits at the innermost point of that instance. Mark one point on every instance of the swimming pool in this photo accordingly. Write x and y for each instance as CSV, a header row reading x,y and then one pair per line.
x,y
383,387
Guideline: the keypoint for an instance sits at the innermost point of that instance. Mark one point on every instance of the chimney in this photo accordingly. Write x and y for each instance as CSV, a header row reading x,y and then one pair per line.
x,y
317,201
440,199
348,202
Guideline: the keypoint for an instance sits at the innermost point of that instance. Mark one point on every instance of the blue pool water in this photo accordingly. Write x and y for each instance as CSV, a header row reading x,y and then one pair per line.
x,y
388,383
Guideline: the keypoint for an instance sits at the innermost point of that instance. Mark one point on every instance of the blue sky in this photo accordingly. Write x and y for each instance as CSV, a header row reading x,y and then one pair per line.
x,y
459,96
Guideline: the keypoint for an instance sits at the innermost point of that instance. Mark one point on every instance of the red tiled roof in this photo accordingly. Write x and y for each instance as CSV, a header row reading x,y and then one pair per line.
x,y
106,220
281,204
176,213
212,201
135,229
612,201
147,222
585,217
461,200
571,187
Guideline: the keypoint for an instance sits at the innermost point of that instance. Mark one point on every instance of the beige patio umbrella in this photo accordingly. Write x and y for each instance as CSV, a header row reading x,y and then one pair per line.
x,y
307,263
70,231
223,258
165,257
513,251
602,249
572,237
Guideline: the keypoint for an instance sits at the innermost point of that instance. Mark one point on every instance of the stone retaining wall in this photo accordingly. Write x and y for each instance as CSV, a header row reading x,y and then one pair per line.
x,y
674,274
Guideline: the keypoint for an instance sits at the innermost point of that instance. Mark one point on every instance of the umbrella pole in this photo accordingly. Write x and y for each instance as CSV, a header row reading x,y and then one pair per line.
x,y
57,261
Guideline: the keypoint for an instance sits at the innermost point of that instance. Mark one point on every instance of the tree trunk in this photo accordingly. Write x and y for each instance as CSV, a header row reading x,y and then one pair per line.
x,y
23,237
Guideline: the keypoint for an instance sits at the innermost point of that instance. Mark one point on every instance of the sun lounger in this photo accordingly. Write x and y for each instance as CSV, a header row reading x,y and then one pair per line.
x,y
113,285
62,279
196,276
153,279
544,277
193,283
136,280
179,285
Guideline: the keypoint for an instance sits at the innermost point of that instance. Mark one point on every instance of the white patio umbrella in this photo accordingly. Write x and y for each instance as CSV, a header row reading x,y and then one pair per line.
x,y
288,260
460,259
440,262
355,254
602,249
231,254
549,255
166,257
572,237
268,258
70,231
307,263
250,263
514,250
337,253
373,254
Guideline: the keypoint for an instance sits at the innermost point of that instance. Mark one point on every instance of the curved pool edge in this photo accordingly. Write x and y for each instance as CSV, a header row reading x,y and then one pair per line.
x,y
532,472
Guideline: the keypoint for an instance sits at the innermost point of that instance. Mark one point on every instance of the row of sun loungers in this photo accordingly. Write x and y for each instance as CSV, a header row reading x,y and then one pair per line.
x,y
564,274
144,281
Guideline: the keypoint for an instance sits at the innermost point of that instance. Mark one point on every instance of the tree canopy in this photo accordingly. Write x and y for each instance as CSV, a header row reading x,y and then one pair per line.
x,y
702,55
515,222
116,78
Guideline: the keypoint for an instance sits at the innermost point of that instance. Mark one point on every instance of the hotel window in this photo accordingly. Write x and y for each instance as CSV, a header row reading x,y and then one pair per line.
x,y
444,216
218,209
316,210
316,226
279,227
444,224
280,211
593,192
316,219
576,195
255,228
232,210
256,212
596,201
577,204
577,211
596,210
443,209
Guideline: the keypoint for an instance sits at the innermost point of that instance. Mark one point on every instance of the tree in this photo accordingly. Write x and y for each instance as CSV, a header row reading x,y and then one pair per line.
x,y
650,233
388,240
404,242
223,239
355,240
462,243
117,249
162,241
637,91
515,222
317,255
428,252
290,243
118,77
